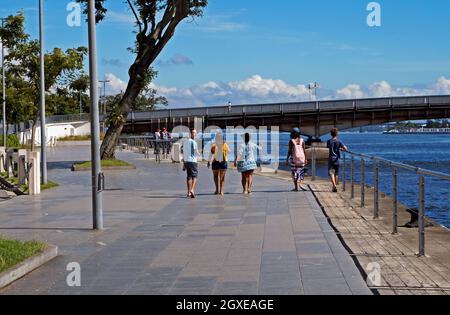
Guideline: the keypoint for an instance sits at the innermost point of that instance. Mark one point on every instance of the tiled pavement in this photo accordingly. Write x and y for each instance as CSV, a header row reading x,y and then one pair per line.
x,y
158,242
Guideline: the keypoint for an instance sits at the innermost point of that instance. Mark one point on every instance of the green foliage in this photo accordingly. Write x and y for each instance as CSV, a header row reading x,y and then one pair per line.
x,y
64,77
13,252
49,185
105,163
75,138
12,141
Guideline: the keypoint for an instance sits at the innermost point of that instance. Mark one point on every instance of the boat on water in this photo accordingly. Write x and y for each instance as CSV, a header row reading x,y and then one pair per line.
x,y
426,131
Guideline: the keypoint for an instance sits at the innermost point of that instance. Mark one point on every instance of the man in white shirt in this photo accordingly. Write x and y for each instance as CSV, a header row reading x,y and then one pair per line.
x,y
190,152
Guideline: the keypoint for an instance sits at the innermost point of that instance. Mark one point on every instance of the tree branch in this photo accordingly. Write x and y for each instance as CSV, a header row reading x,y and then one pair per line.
x,y
136,16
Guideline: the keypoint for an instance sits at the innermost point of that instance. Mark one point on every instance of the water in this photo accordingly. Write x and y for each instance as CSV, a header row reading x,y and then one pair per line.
x,y
425,151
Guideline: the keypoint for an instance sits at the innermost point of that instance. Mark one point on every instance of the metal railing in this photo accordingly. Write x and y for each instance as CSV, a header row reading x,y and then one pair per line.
x,y
395,167
147,143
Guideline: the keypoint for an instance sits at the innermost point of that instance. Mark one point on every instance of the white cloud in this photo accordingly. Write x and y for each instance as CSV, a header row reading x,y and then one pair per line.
x,y
350,91
442,85
257,89
380,89
115,85
256,86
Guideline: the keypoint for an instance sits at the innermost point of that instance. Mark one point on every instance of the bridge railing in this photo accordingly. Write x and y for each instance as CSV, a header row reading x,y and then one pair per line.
x,y
349,170
296,107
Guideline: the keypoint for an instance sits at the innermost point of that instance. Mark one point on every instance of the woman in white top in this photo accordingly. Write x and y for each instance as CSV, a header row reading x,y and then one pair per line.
x,y
246,163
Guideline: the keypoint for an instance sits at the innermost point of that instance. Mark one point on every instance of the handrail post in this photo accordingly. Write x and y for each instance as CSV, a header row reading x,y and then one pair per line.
x,y
363,182
395,200
376,210
421,216
344,172
313,152
352,177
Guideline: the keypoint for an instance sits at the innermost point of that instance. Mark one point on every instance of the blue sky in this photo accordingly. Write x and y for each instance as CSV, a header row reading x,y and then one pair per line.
x,y
261,50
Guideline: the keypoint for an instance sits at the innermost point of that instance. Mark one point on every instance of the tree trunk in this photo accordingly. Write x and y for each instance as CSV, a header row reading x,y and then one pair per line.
x,y
109,144
149,48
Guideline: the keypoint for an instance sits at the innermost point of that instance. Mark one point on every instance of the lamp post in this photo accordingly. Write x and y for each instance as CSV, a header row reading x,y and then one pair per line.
x,y
42,95
5,127
313,87
97,175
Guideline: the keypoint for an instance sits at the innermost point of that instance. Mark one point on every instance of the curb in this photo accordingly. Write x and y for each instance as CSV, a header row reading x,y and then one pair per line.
x,y
24,268
104,168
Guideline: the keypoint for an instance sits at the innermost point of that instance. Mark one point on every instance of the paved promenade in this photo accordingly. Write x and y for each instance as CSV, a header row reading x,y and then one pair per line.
x,y
158,242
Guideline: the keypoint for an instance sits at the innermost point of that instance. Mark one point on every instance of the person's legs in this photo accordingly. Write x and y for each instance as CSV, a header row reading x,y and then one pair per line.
x,y
295,179
302,178
222,181
244,183
189,187
331,173
216,181
250,182
194,178
194,184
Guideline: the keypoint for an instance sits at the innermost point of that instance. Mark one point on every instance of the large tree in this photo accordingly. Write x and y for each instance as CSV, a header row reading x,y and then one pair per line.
x,y
156,22
62,68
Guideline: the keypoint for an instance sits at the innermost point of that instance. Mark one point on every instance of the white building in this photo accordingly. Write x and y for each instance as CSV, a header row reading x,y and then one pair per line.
x,y
56,131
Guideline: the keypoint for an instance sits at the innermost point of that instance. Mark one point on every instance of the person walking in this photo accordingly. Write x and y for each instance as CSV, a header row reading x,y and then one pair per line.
x,y
296,158
190,163
246,163
166,146
218,160
158,145
334,146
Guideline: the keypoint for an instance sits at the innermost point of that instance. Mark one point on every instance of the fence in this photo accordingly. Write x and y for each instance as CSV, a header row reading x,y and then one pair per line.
x,y
395,167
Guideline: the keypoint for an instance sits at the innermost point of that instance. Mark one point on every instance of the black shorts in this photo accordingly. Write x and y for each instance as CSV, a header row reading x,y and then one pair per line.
x,y
219,166
191,170
333,168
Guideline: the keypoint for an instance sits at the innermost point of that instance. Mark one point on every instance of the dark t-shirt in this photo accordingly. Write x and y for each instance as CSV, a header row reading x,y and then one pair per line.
x,y
335,146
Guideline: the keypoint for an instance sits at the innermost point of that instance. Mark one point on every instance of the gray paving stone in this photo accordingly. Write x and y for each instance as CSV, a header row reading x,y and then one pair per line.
x,y
158,242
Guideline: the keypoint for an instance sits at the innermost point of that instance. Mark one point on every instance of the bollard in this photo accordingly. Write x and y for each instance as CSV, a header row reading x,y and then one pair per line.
x,y
376,210
34,187
2,159
352,177
9,164
363,183
344,172
22,170
421,216
395,200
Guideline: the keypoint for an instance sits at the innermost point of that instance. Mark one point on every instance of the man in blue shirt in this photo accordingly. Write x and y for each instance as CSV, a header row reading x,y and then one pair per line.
x,y
190,163
335,146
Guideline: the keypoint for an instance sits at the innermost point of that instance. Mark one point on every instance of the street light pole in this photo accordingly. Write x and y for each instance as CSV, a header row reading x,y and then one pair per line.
x,y
97,176
42,96
5,127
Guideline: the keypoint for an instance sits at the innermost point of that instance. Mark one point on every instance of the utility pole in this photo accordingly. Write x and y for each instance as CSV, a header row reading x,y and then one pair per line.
x,y
5,127
42,96
97,175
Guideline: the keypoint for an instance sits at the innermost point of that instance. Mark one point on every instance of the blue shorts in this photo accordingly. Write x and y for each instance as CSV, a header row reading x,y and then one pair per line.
x,y
219,166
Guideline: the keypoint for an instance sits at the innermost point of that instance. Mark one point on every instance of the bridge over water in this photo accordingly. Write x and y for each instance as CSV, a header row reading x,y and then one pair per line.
x,y
315,118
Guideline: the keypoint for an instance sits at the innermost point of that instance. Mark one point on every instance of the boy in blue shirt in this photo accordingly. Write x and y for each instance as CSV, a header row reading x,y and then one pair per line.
x,y
335,146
